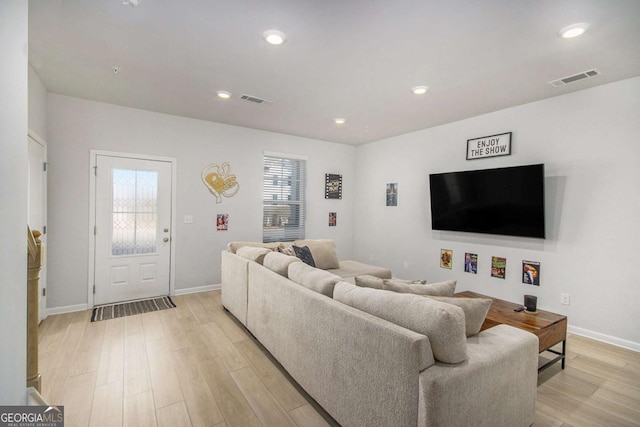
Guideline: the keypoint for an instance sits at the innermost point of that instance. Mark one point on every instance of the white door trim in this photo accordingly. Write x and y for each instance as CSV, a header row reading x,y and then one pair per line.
x,y
42,309
92,214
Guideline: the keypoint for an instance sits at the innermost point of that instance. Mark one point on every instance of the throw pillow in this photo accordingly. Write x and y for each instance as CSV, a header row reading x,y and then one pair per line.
x,y
287,250
446,289
475,311
443,323
304,253
323,251
253,253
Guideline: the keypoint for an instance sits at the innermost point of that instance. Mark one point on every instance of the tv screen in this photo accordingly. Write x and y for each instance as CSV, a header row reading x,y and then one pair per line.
x,y
505,201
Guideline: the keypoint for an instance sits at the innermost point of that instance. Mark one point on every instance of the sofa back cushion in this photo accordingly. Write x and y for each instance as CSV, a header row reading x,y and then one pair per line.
x,y
443,323
475,311
279,263
446,289
253,253
323,251
313,278
234,246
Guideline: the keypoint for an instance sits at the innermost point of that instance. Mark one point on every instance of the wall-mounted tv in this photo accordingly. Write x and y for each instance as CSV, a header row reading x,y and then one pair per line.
x,y
505,201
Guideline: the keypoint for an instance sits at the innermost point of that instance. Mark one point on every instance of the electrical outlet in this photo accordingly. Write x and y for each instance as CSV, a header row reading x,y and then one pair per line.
x,y
405,264
565,299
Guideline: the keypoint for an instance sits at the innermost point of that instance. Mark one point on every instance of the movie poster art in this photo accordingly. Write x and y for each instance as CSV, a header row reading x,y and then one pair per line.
x,y
446,258
222,222
333,219
471,263
531,273
498,267
392,194
332,186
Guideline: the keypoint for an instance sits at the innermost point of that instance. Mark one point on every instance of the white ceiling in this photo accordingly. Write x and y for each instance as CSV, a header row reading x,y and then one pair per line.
x,y
356,59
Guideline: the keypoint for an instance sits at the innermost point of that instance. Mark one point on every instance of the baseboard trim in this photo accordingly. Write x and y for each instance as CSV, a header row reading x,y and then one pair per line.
x,y
608,339
67,309
197,289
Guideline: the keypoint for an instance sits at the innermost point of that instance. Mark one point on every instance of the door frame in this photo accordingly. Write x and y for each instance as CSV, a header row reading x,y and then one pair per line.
x,y
93,154
42,284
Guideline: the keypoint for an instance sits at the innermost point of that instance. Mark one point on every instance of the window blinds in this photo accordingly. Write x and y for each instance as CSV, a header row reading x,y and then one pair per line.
x,y
284,189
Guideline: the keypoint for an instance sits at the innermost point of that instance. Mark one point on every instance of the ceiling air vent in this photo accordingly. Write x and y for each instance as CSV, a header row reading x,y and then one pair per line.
x,y
570,79
255,100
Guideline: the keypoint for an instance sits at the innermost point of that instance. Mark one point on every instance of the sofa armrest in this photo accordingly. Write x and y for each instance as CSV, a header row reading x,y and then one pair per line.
x,y
234,278
495,386
361,369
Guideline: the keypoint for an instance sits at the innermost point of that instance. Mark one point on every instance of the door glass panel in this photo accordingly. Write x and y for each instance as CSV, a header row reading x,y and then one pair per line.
x,y
135,212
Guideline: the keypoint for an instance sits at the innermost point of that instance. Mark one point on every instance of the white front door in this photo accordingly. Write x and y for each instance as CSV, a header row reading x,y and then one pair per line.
x,y
38,210
132,233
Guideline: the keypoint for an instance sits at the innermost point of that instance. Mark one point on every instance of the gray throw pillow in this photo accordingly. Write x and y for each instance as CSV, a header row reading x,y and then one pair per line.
x,y
304,254
475,311
446,289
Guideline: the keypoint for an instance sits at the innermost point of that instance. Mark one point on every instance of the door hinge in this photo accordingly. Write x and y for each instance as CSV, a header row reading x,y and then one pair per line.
x,y
94,289
44,292
44,166
95,170
44,229
95,230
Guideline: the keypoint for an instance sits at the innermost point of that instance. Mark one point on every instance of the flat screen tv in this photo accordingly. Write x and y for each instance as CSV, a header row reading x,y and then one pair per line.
x,y
504,201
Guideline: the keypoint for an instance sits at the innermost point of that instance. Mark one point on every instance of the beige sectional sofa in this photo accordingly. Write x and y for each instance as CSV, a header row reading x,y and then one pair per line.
x,y
333,339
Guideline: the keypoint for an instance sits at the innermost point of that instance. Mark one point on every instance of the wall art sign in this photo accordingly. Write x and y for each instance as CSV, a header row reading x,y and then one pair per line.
x,y
392,194
498,267
531,273
471,263
489,146
332,186
220,181
446,258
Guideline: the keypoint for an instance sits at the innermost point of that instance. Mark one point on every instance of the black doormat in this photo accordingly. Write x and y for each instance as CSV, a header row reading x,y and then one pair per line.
x,y
112,311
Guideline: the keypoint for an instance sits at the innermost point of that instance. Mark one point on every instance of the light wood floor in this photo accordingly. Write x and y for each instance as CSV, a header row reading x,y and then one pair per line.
x,y
196,366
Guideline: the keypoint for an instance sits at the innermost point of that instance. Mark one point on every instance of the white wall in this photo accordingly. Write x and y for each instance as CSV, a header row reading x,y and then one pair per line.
x,y
37,105
589,142
75,126
13,202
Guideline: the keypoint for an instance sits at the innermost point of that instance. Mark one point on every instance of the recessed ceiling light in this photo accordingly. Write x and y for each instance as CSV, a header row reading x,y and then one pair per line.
x,y
132,3
573,30
274,37
223,94
420,90
340,121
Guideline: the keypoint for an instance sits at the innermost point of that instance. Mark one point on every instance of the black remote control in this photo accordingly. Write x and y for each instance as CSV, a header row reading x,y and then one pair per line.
x,y
519,308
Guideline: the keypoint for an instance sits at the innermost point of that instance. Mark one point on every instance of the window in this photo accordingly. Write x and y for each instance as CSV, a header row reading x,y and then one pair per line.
x,y
284,188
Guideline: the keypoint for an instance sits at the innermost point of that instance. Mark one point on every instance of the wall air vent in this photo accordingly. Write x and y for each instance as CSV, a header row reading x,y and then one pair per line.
x,y
570,79
255,100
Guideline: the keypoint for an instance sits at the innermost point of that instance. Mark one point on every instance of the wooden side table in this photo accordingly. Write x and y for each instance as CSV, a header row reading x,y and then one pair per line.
x,y
550,328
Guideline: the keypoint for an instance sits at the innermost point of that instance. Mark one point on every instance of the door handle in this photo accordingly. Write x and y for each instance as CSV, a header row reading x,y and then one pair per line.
x,y
166,239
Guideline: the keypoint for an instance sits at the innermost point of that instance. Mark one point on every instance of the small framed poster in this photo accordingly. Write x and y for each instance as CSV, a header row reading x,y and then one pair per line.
x,y
333,219
498,267
222,222
332,186
489,146
471,263
531,273
446,258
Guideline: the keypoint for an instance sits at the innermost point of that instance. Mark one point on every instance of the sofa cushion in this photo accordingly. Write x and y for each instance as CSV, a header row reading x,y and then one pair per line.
x,y
443,323
351,268
304,254
446,289
253,253
279,263
323,251
313,278
475,311
234,246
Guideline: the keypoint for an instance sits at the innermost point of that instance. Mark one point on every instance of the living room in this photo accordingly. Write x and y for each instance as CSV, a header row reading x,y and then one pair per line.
x,y
587,140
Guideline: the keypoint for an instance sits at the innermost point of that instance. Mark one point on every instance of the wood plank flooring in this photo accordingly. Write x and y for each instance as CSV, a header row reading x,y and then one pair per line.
x,y
195,365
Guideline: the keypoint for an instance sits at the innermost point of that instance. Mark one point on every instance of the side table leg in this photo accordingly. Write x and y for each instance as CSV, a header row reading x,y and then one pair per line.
x,y
564,351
